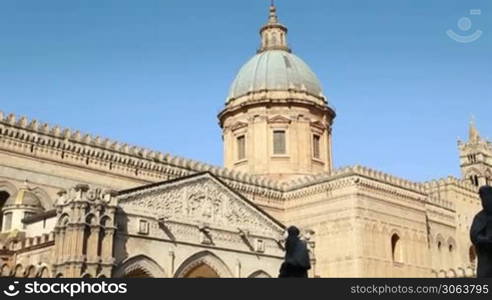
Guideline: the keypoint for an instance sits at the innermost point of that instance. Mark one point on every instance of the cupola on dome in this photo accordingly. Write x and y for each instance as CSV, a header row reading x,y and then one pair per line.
x,y
274,67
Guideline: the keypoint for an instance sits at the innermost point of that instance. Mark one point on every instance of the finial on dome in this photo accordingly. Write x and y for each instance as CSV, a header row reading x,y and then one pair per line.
x,y
273,19
273,34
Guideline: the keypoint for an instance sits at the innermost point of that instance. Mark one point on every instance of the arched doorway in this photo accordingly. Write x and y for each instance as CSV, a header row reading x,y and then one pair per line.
x,y
202,271
139,267
204,264
138,273
260,274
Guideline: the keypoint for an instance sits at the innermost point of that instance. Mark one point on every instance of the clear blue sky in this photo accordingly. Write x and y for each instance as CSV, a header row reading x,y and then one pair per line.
x,y
156,73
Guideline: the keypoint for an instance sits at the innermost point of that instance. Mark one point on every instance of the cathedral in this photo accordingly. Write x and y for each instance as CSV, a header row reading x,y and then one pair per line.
x,y
78,206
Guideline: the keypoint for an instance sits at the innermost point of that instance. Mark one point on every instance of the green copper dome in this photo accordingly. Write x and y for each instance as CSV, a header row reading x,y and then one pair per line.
x,y
275,70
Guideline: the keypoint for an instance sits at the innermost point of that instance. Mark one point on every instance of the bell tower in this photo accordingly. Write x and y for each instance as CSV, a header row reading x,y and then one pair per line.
x,y
476,158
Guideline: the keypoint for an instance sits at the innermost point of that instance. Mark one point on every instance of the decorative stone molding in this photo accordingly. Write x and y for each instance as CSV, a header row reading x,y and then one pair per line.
x,y
200,198
84,233
204,258
239,125
141,263
279,120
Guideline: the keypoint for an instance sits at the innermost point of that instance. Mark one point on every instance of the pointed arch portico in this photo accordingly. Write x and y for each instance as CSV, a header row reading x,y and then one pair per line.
x,y
140,266
204,264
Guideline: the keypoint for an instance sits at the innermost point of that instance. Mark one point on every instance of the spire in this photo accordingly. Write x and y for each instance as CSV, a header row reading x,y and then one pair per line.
x,y
474,136
273,34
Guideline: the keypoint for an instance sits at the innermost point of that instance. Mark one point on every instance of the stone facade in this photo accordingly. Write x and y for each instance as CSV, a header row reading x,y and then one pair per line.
x,y
74,205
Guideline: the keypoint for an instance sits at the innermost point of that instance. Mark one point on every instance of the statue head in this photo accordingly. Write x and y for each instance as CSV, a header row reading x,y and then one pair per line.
x,y
486,196
293,231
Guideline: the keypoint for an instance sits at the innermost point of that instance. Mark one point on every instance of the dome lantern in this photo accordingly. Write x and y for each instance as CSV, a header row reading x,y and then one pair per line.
x,y
273,34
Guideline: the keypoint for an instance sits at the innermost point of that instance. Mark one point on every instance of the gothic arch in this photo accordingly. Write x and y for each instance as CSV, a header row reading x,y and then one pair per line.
x,y
141,266
260,274
18,271
488,177
8,187
31,271
451,245
44,272
396,247
396,241
91,219
63,220
473,175
472,171
43,197
5,270
461,273
451,273
106,221
204,258
440,243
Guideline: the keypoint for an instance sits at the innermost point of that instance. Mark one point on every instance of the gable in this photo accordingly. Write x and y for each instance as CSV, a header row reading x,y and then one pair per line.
x,y
279,120
201,200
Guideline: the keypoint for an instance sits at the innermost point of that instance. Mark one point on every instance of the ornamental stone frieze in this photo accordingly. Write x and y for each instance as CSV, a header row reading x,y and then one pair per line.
x,y
202,200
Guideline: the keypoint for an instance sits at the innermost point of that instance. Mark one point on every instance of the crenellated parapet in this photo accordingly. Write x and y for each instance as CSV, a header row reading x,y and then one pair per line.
x,y
358,171
450,181
26,244
355,175
41,140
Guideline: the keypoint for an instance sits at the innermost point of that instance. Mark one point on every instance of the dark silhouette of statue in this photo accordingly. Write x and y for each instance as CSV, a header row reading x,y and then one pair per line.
x,y
297,261
481,234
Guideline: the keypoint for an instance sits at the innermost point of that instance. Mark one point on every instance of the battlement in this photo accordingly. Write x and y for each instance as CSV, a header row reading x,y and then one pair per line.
x,y
450,180
356,170
26,136
30,243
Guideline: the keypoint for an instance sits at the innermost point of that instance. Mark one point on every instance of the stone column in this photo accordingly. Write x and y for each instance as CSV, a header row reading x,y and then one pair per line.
x,y
107,243
92,243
